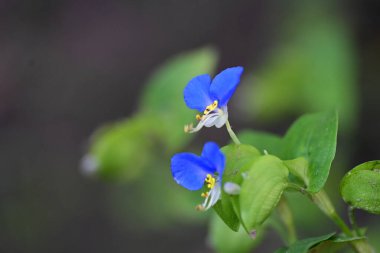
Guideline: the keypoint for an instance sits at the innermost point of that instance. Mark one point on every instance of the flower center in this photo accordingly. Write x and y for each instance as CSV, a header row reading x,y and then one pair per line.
x,y
208,109
211,196
210,183
210,180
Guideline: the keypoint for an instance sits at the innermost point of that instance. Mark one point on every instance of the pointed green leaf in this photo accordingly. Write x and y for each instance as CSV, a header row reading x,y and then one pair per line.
x,y
262,189
225,209
298,168
303,246
360,187
314,137
338,242
237,159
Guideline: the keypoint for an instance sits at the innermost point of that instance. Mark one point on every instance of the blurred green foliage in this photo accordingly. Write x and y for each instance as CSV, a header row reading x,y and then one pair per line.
x,y
122,150
224,240
153,201
311,68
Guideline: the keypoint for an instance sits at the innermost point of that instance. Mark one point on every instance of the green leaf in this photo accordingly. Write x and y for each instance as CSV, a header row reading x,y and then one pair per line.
x,y
360,187
226,211
262,189
314,137
337,242
237,159
329,243
163,95
120,151
139,212
262,141
223,240
303,246
298,167
237,156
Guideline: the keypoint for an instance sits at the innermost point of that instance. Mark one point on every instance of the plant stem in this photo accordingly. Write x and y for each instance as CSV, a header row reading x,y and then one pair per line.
x,y
323,202
231,133
351,218
279,228
287,219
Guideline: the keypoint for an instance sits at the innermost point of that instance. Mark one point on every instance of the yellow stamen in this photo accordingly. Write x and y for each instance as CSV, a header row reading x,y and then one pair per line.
x,y
204,194
210,180
200,117
210,108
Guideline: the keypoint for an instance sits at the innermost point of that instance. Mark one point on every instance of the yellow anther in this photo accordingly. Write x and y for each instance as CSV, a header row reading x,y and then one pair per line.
x,y
199,117
211,107
210,180
200,208
204,194
188,128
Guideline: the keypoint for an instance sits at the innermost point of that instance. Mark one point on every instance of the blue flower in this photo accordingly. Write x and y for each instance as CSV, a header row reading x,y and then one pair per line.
x,y
211,97
193,172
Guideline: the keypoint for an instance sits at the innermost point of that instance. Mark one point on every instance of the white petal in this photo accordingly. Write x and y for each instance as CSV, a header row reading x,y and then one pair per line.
x,y
217,118
213,197
223,116
210,119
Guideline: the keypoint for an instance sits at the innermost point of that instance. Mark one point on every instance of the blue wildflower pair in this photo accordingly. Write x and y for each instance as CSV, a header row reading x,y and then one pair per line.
x,y
210,98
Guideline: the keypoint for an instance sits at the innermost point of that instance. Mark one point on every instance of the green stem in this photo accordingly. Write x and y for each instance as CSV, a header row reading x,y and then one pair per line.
x,y
231,133
351,218
323,202
277,226
287,219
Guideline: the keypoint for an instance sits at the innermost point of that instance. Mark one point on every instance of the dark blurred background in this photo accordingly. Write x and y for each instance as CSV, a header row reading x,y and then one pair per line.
x,y
67,67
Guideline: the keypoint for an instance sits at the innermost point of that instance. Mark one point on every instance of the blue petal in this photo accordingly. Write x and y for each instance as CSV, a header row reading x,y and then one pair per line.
x,y
197,93
190,170
225,83
212,153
